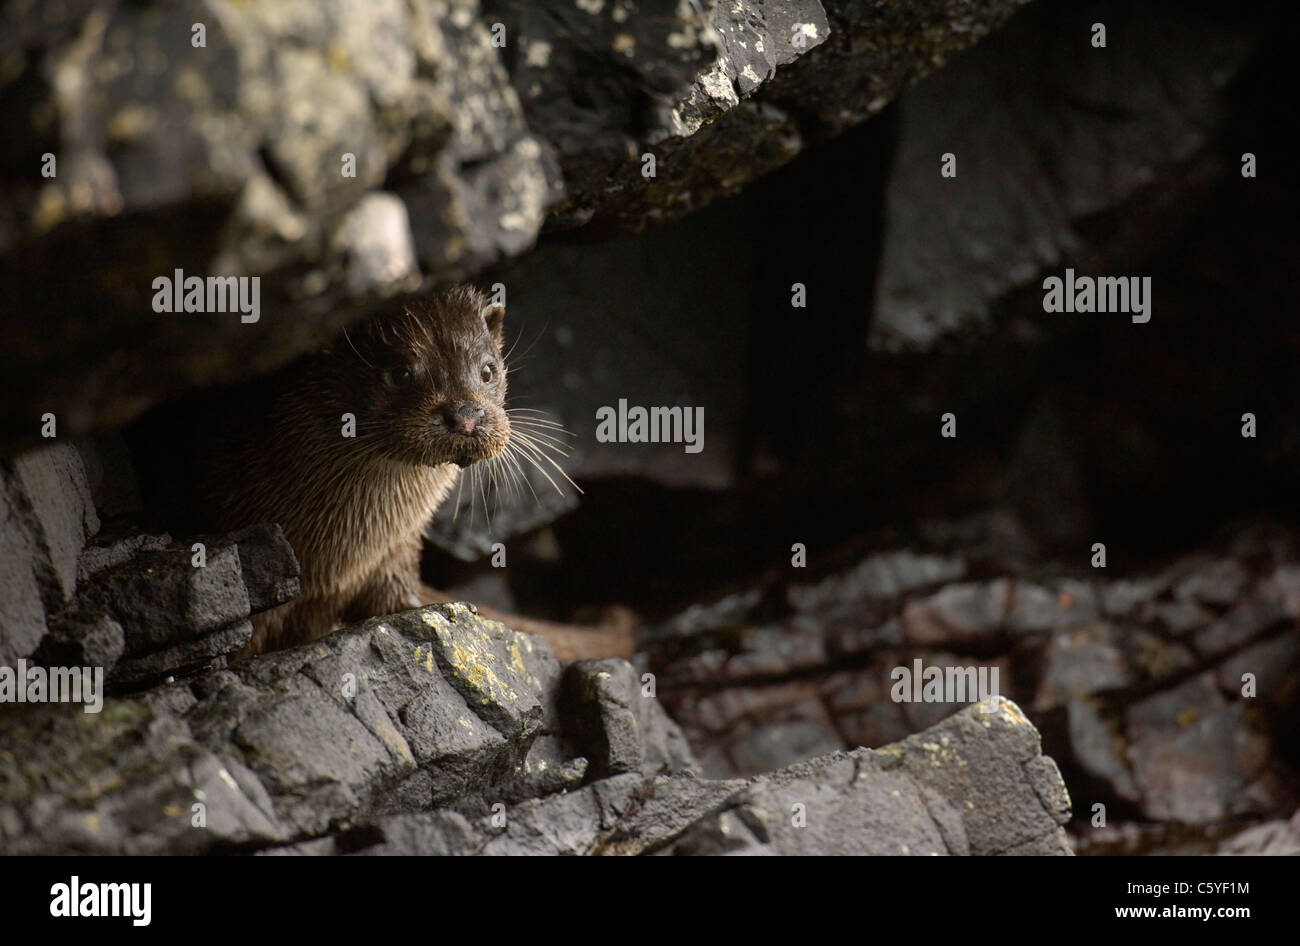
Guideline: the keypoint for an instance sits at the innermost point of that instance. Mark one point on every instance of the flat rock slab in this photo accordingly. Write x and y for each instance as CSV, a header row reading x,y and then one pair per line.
x,y
436,731
975,784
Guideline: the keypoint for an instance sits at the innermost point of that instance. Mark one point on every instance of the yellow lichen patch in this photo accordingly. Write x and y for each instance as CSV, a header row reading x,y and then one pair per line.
x,y
943,755
475,649
1006,709
1188,716
470,660
424,655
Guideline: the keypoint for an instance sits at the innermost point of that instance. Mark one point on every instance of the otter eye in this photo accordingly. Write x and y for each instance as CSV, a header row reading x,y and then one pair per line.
x,y
403,375
489,372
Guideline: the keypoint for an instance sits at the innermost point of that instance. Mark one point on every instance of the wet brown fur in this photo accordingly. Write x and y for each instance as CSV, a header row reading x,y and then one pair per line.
x,y
354,509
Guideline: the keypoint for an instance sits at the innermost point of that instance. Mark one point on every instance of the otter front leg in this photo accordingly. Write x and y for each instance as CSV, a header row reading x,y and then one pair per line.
x,y
303,619
393,586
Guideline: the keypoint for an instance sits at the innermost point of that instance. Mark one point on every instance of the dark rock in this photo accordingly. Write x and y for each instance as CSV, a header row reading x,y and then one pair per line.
x,y
388,738
1253,616
779,650
108,552
959,614
181,657
353,721
1220,582
162,613
126,780
1035,608
50,487
622,728
1156,658
242,142
1144,718
989,791
936,793
1085,659
501,674
1195,757
1119,598
267,566
84,640
1272,665
549,767
1279,838
709,141
1098,747
22,611
157,594
455,142
885,575
1179,617
1059,159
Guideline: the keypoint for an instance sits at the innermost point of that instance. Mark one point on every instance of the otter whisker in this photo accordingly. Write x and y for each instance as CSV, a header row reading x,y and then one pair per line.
x,y
553,429
558,449
511,467
548,440
540,423
460,482
538,467
533,413
487,513
512,457
498,485
528,445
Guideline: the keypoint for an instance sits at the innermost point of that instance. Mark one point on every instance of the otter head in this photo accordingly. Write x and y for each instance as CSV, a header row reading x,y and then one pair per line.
x,y
435,380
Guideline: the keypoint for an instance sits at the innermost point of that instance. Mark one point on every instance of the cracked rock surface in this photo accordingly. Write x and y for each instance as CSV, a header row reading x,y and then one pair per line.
x,y
1165,697
433,732
352,150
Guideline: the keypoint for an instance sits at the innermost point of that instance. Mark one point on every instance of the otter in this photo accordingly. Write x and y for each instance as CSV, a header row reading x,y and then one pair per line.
x,y
425,387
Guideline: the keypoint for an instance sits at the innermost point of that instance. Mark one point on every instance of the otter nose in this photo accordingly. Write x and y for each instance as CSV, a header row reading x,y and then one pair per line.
x,y
464,419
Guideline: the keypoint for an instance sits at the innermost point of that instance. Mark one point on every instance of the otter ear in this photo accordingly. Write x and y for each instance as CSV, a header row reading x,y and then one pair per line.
x,y
494,317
